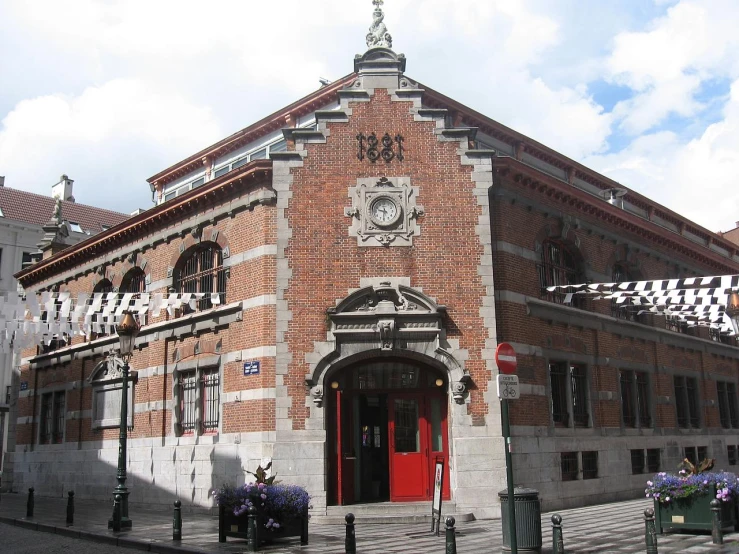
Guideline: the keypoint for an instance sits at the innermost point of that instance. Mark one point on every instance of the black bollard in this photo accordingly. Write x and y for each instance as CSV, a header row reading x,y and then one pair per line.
x,y
252,540
558,544
29,504
177,521
717,534
350,542
70,508
650,534
117,513
451,537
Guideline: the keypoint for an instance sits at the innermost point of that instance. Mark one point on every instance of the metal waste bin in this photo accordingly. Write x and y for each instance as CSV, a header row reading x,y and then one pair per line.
x,y
528,519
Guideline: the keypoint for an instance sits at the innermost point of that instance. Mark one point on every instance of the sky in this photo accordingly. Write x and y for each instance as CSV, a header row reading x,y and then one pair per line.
x,y
111,92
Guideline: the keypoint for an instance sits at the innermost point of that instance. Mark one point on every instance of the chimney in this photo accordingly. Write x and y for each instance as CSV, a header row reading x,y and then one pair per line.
x,y
63,189
2,180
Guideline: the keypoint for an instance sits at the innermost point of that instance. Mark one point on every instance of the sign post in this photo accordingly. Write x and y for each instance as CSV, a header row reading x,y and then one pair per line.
x,y
436,502
505,357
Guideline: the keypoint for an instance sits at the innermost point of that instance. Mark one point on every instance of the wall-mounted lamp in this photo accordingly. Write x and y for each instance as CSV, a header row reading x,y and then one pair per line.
x,y
439,382
334,385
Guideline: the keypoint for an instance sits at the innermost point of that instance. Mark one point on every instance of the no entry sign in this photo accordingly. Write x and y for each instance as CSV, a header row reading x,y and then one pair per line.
x,y
505,357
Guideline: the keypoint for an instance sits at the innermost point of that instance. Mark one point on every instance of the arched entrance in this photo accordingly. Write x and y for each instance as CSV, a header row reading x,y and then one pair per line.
x,y
387,426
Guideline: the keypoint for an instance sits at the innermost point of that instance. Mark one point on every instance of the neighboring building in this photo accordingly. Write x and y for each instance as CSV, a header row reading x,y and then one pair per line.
x,y
365,269
732,234
23,216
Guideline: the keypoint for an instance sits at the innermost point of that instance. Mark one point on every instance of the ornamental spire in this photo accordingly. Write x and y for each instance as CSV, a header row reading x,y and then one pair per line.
x,y
378,37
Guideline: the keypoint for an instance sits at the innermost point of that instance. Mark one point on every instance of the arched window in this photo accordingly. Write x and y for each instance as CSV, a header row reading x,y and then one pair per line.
x,y
559,266
201,270
619,274
134,281
54,340
104,286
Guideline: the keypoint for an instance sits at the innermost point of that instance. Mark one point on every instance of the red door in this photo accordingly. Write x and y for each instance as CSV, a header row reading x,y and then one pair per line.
x,y
409,455
344,449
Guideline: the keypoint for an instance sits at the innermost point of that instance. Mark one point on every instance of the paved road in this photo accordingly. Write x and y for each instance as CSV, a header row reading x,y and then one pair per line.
x,y
16,540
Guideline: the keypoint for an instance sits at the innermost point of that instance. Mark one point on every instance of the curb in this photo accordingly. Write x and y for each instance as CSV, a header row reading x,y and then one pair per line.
x,y
113,540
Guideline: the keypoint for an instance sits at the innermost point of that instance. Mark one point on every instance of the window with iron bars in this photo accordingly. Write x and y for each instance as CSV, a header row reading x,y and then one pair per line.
x,y
731,453
590,465
625,310
726,393
558,267
569,390
635,408
637,461
686,401
134,281
56,340
52,417
569,466
653,460
199,401
203,271
103,287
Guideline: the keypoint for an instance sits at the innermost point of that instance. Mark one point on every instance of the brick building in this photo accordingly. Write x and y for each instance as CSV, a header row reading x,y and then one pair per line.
x,y
370,245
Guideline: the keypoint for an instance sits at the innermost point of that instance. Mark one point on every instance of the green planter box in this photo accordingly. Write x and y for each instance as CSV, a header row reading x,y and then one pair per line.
x,y
694,513
230,525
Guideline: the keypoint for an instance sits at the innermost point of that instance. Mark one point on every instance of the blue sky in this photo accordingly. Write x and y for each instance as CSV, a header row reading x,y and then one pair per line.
x,y
110,92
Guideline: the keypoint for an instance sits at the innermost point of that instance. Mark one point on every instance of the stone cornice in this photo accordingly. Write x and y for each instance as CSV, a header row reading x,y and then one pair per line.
x,y
157,217
572,198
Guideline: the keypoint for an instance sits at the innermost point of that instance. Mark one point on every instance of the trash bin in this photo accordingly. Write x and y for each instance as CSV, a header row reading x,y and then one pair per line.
x,y
528,519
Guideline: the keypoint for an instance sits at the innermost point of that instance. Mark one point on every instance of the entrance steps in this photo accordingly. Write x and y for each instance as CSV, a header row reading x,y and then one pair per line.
x,y
389,512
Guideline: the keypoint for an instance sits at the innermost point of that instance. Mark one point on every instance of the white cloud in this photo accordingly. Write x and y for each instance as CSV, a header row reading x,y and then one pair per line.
x,y
666,65
109,139
696,179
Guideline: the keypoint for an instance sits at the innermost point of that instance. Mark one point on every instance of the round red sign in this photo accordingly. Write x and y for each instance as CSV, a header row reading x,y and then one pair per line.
x,y
505,357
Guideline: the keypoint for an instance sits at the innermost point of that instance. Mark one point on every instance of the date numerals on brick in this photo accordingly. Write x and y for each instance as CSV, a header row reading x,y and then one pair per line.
x,y
372,148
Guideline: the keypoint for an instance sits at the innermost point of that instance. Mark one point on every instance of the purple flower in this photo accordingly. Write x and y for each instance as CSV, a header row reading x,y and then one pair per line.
x,y
276,525
264,496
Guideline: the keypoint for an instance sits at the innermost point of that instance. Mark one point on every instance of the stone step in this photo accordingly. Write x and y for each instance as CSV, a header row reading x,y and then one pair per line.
x,y
387,519
388,508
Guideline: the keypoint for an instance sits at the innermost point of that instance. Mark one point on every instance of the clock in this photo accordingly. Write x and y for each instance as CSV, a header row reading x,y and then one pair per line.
x,y
384,211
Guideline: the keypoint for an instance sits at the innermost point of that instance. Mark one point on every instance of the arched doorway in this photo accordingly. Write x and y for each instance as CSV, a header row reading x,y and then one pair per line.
x,y
387,426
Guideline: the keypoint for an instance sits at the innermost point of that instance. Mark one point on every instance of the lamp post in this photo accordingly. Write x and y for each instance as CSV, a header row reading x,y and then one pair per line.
x,y
127,332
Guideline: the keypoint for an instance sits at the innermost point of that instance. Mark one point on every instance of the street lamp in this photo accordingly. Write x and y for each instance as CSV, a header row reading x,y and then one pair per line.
x,y
127,332
732,310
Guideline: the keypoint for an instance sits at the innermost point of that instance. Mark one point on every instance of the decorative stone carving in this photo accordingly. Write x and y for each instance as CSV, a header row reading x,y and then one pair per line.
x,y
316,394
106,380
386,316
458,391
384,211
378,35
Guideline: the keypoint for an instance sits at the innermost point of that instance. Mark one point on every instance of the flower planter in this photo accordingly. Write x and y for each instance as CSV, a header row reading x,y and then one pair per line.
x,y
694,513
230,525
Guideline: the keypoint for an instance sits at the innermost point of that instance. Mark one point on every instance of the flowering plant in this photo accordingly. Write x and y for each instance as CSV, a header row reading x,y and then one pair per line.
x,y
276,503
667,487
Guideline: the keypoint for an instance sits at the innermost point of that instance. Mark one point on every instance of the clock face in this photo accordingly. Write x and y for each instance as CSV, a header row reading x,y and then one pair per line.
x,y
384,211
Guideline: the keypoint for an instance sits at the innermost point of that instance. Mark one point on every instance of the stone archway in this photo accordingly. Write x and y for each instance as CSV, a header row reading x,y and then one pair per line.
x,y
386,318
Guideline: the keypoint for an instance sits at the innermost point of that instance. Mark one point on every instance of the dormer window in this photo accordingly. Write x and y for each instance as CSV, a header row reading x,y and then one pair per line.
x,y
75,227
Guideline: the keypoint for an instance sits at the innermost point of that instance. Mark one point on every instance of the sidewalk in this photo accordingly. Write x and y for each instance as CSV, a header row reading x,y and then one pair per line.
x,y
616,527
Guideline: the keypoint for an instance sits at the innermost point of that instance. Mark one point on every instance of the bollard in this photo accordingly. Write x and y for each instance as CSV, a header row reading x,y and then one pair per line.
x,y
350,543
70,508
650,534
717,534
558,545
29,504
117,513
252,540
177,521
451,538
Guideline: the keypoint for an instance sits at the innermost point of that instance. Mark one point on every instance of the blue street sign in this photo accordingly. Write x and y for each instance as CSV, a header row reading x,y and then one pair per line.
x,y
251,368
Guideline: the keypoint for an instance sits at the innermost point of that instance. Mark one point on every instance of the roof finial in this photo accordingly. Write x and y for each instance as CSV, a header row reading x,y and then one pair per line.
x,y
378,37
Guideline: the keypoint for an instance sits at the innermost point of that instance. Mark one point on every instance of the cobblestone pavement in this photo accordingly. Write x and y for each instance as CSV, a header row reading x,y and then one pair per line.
x,y
616,527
